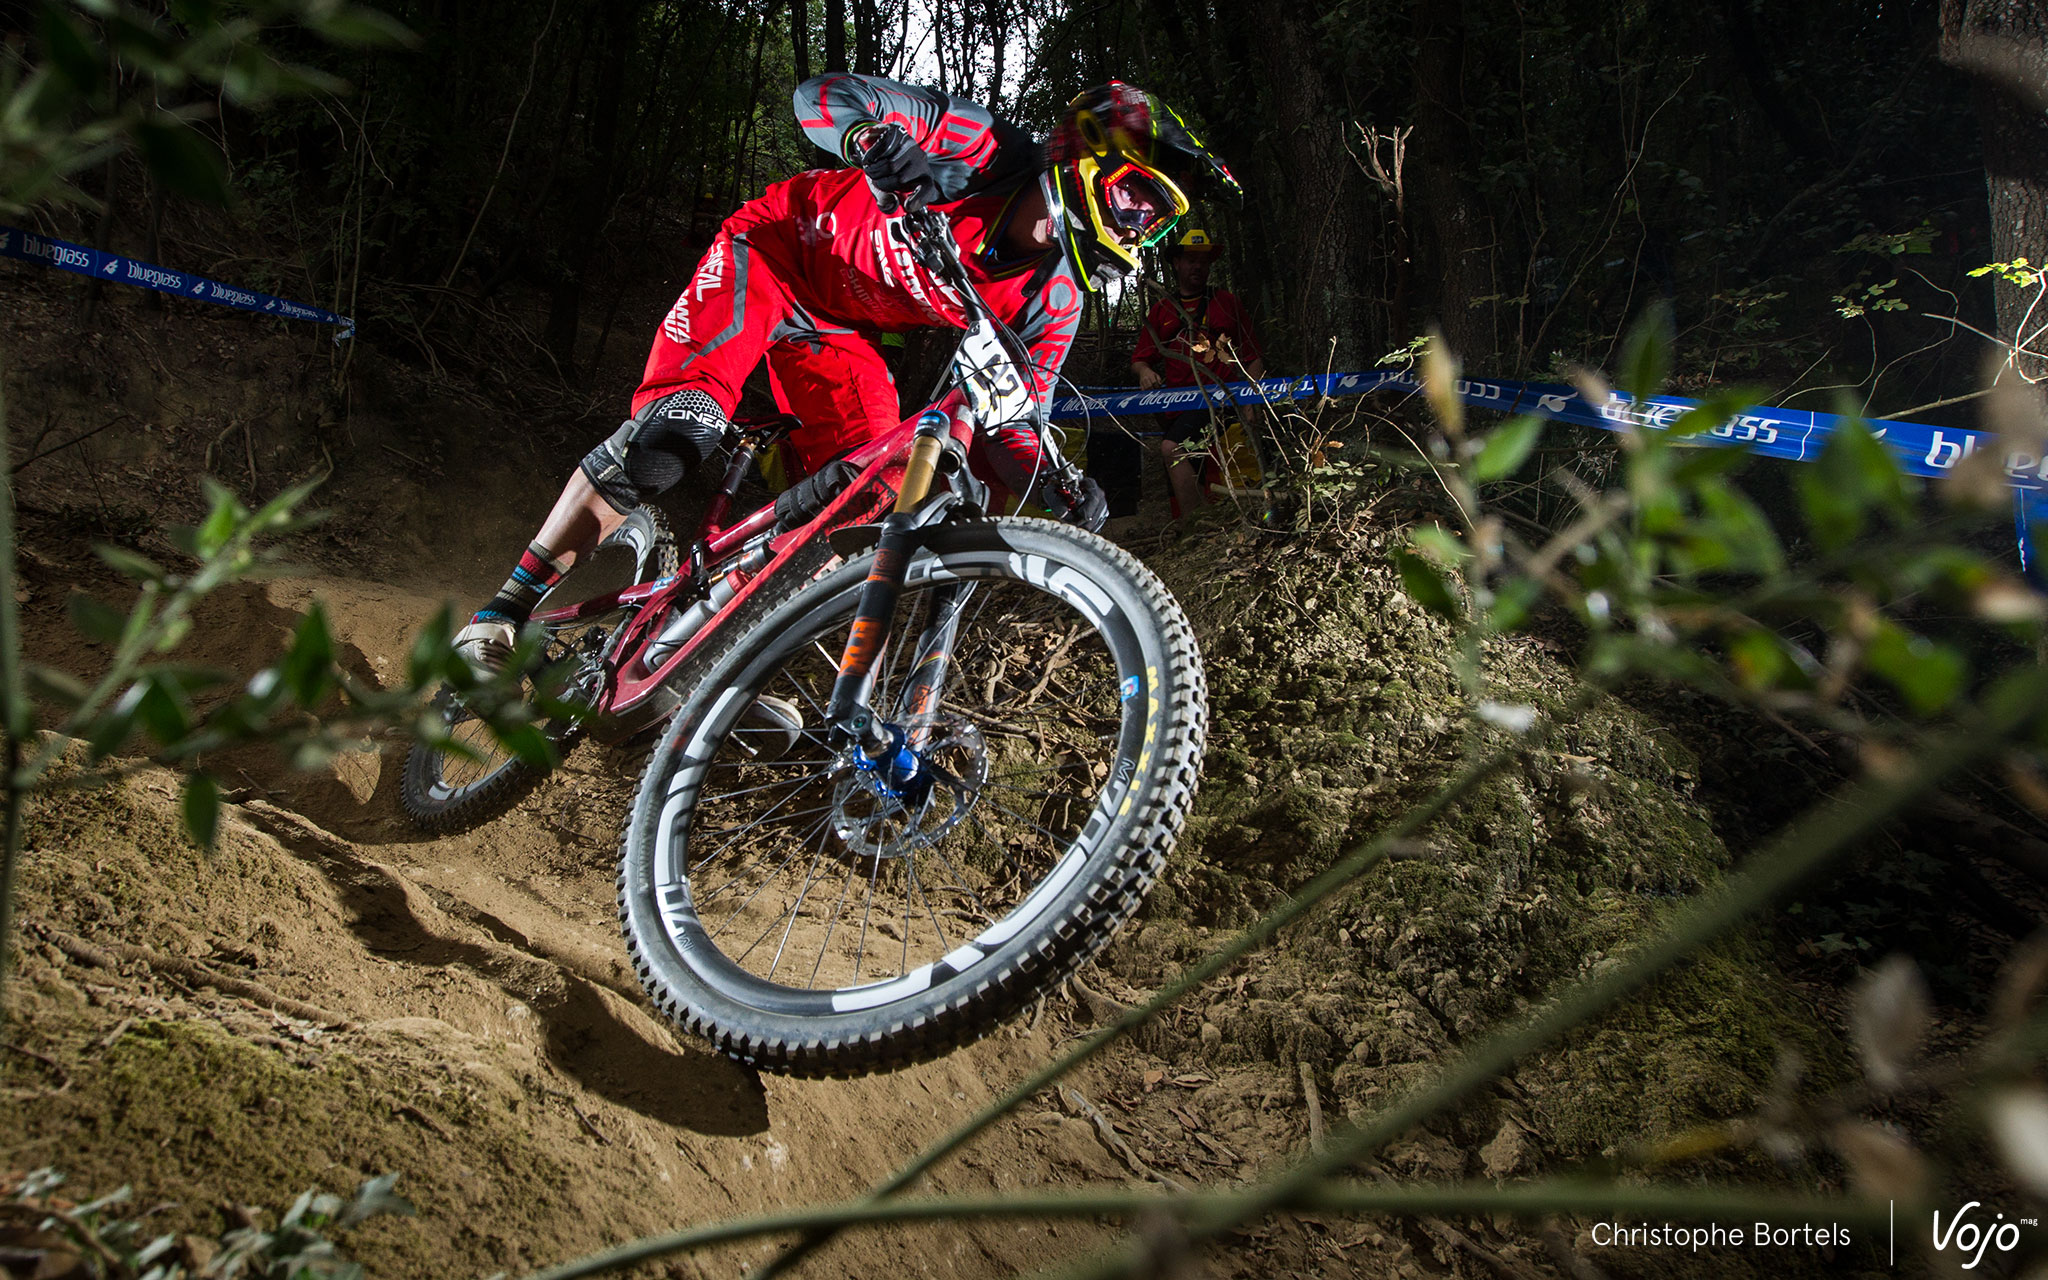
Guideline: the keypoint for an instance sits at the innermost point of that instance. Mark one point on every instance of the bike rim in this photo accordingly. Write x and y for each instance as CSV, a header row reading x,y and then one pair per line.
x,y
790,884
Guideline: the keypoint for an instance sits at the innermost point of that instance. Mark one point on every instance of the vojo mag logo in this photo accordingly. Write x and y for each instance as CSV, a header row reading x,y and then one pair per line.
x,y
1970,1237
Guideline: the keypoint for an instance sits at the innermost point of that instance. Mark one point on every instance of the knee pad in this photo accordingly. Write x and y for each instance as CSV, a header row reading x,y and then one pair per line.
x,y
655,448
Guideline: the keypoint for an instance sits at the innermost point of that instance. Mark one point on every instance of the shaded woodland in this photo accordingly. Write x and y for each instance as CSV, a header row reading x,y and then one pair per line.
x,y
1806,185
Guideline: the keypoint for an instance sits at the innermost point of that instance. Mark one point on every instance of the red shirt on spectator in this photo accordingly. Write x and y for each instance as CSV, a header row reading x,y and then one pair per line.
x,y
1211,331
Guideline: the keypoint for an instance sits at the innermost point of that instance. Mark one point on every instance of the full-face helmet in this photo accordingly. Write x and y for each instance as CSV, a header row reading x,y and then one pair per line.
x,y
1118,162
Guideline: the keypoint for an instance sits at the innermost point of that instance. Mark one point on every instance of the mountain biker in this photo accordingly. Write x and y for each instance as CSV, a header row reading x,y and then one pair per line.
x,y
1202,336
810,274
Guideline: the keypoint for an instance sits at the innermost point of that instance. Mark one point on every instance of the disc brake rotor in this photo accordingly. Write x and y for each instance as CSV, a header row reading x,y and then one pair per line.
x,y
874,820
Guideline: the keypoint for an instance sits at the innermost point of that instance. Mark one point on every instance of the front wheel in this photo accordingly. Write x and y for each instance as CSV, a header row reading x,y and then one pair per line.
x,y
809,914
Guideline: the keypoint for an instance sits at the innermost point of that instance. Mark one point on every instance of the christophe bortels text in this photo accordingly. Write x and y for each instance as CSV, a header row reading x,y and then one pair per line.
x,y
1712,1235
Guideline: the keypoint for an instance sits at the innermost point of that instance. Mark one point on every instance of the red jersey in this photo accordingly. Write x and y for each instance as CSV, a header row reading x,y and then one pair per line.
x,y
1211,331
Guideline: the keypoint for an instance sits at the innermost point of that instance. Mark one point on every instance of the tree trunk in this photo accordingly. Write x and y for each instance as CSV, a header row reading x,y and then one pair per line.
x,y
1455,241
800,38
867,37
592,205
835,35
2003,44
1319,184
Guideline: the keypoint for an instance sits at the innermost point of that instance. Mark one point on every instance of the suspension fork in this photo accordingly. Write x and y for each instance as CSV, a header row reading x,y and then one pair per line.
x,y
852,720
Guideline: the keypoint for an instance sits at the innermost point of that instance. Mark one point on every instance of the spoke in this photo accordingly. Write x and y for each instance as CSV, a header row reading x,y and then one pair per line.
x,y
738,831
767,880
817,772
960,881
832,925
765,848
945,947
1030,823
861,950
756,821
817,859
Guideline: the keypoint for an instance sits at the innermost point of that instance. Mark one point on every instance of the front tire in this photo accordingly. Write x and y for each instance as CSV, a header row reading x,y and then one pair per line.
x,y
781,905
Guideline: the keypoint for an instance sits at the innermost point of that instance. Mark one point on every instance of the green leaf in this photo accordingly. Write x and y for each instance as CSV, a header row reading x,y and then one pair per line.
x,y
96,620
107,731
186,163
60,687
161,711
528,743
432,651
361,26
1854,476
1930,675
1758,660
374,1197
1646,352
1512,602
1420,579
123,561
1506,449
1721,407
201,809
307,668
1441,546
71,51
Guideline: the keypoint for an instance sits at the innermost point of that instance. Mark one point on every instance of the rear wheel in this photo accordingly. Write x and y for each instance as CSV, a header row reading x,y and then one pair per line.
x,y
808,913
472,778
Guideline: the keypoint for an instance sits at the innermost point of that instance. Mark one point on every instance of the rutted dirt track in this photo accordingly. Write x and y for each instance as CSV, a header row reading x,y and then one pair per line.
x,y
472,1022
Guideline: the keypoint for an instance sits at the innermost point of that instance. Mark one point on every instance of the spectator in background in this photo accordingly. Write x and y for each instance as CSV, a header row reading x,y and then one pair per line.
x,y
1199,337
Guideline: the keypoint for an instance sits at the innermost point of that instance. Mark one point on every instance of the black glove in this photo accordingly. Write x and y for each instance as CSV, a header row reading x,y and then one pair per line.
x,y
897,168
1076,499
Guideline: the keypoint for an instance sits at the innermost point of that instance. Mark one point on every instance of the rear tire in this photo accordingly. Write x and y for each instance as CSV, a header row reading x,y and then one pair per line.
x,y
444,792
780,906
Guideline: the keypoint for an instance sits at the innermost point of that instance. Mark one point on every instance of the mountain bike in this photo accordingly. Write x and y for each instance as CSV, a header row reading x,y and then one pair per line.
x,y
929,759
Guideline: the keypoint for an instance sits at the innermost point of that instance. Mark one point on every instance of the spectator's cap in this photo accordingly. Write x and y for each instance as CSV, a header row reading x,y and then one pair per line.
x,y
1195,241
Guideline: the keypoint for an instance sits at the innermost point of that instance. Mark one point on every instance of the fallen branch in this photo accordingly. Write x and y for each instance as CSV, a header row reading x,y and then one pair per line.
x,y
1113,1140
114,953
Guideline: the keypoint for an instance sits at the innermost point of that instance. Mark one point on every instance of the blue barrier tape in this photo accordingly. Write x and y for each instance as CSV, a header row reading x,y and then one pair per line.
x,y
1793,434
30,247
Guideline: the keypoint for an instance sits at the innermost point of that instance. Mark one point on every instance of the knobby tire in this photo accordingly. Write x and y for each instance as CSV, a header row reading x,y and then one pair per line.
x,y
779,907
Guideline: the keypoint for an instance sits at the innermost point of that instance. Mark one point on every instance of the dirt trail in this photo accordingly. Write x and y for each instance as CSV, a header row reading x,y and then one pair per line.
x,y
484,1036
497,1049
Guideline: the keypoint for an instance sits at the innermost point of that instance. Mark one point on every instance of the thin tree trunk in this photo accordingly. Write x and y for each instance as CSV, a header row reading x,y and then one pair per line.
x,y
2004,45
800,38
1449,210
835,35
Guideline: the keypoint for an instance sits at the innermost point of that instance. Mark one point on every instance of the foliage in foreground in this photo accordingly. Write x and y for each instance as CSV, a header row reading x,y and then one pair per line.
x,y
52,1236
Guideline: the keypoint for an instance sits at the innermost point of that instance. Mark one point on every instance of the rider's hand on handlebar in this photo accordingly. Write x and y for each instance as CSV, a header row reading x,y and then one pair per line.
x,y
1076,499
897,168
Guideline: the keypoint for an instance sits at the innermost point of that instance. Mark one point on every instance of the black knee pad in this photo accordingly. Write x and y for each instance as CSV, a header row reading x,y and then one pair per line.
x,y
655,448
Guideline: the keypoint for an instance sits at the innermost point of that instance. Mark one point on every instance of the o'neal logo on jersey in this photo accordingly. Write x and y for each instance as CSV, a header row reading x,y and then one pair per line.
x,y
710,275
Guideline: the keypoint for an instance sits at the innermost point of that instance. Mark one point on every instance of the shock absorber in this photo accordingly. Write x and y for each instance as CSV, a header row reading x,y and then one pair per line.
x,y
685,623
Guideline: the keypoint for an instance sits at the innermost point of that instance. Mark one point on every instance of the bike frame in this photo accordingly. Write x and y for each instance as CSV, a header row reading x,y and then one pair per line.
x,y
901,462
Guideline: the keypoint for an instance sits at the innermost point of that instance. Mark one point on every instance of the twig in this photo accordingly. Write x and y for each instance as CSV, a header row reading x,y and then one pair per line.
x,y
1315,1104
1513,1271
111,956
1113,1140
426,1121
589,1124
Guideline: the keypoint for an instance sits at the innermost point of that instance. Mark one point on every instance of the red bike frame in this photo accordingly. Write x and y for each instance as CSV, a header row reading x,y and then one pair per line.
x,y
628,682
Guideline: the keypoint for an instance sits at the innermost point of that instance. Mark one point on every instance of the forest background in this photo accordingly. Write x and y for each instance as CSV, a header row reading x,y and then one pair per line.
x,y
1807,186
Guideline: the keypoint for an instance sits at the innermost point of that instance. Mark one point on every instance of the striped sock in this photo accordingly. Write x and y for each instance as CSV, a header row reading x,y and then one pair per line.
x,y
532,578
